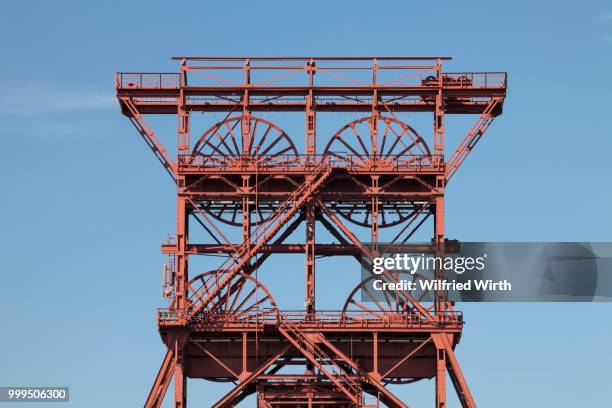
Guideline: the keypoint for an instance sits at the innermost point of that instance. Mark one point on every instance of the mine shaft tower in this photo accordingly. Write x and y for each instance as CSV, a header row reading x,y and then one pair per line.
x,y
375,174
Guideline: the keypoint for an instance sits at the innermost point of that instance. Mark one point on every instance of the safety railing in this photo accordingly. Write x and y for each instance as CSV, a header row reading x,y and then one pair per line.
x,y
363,317
320,318
199,162
165,316
475,80
147,80
383,72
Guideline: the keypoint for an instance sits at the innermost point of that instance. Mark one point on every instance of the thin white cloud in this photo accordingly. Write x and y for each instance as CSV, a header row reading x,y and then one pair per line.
x,y
49,100
43,128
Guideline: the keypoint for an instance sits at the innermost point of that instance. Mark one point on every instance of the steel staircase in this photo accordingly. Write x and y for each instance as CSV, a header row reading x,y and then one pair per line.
x,y
348,377
344,379
259,237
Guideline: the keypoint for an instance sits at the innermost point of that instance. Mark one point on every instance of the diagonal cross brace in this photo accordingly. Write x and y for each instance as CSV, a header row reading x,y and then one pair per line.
x,y
471,138
150,139
262,235
160,386
366,251
454,370
226,401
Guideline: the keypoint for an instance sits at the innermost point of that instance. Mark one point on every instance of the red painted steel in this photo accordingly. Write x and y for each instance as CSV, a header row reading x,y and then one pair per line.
x,y
376,173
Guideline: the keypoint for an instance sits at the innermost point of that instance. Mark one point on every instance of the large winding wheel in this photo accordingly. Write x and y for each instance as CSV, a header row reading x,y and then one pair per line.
x,y
229,141
391,213
244,299
363,140
363,303
384,141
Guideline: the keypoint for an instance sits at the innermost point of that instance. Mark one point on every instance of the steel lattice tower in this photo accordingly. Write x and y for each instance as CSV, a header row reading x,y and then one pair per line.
x,y
376,173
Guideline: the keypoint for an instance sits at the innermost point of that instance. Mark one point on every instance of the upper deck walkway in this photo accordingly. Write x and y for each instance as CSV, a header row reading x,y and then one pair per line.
x,y
321,321
336,84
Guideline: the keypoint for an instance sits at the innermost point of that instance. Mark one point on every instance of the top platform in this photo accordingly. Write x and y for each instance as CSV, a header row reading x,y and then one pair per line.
x,y
336,84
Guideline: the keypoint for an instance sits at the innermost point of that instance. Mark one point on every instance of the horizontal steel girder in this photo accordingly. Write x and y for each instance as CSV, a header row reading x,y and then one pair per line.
x,y
320,249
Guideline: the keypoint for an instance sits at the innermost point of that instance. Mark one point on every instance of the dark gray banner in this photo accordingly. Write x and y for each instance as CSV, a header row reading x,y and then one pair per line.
x,y
492,272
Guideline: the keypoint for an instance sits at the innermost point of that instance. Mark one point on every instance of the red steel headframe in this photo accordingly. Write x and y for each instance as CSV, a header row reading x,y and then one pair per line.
x,y
376,174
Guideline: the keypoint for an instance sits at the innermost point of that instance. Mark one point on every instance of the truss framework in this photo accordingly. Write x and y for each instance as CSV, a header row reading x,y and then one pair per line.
x,y
246,172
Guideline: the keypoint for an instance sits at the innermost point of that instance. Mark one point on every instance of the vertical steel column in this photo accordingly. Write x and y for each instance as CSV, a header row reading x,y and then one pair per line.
x,y
375,353
310,259
311,112
374,121
440,295
311,150
246,216
374,142
261,400
182,262
246,210
246,111
244,354
182,239
183,115
182,220
439,115
440,378
180,380
375,212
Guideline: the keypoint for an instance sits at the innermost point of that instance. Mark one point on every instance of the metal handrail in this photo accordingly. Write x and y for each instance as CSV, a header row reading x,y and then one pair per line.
x,y
307,162
272,316
147,80
172,80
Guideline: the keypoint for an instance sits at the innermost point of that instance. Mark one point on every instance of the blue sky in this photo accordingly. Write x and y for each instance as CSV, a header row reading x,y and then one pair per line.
x,y
85,205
